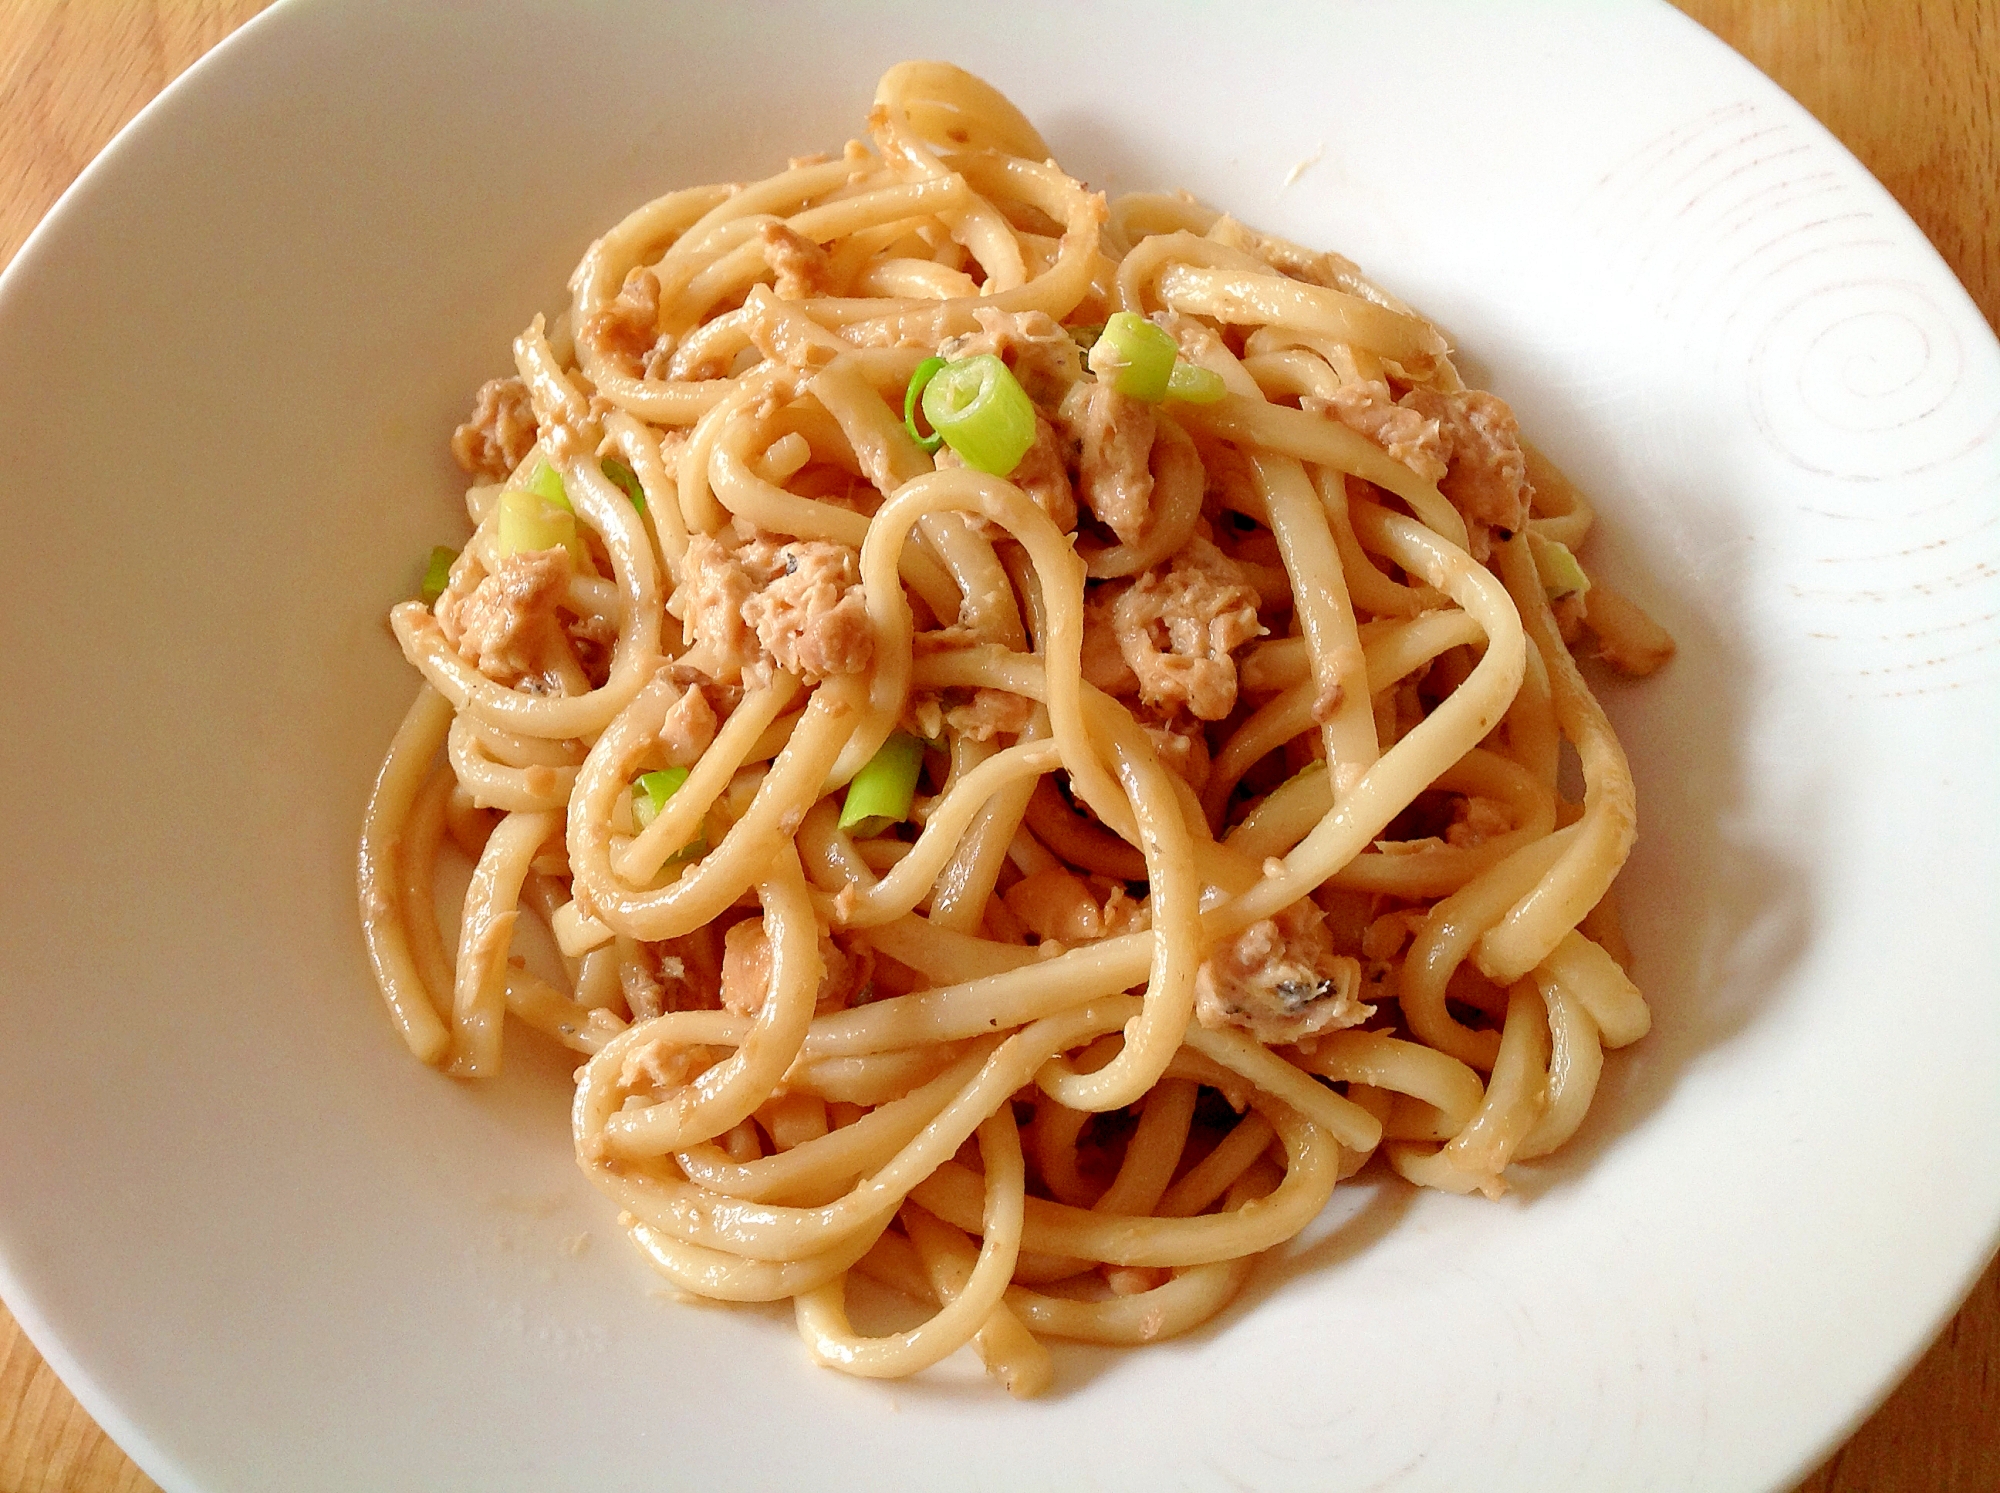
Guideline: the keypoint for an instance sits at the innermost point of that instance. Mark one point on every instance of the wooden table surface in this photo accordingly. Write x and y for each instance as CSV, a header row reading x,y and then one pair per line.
x,y
1912,87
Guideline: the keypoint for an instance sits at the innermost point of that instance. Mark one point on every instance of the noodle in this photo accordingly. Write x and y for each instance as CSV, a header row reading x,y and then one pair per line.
x,y
1237,849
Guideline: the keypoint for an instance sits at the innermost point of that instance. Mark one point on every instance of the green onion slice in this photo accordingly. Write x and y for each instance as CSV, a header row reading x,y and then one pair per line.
x,y
1195,384
529,521
652,790
1135,357
437,573
926,370
1561,574
546,483
881,792
982,412
627,479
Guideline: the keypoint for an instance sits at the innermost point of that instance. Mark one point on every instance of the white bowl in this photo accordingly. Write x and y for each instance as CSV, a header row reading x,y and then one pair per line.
x,y
267,1249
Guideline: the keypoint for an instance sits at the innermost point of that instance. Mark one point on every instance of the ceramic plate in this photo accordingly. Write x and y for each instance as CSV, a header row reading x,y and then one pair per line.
x,y
266,1249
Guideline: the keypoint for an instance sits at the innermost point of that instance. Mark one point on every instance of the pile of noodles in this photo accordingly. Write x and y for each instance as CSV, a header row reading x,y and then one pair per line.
x,y
1242,847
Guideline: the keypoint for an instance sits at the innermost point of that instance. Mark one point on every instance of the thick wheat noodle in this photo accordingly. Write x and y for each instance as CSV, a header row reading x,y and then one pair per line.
x,y
901,890
1269,727
1455,726
822,1311
1057,1130
837,1158
1546,913
1534,737
515,750
633,657
966,883
712,234
485,935
1288,814
769,1232
1010,1352
1448,935
1326,617
976,224
952,1192
957,106
736,271
680,819
557,401
383,835
1154,1150
1389,656
495,785
867,1079
1272,300
1212,1176
726,1094
1515,1095
726,1277
717,879
1078,839
890,458
423,834
767,1155
1370,588
1385,1062
552,1013
1151,1040
945,954
1576,1058
1583,969
1316,440
1293,372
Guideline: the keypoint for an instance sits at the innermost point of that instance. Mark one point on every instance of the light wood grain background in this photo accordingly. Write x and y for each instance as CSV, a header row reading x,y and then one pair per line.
x,y
1911,86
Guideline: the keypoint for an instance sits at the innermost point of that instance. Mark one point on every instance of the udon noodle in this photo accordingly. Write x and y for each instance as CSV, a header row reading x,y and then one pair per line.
x,y
1030,881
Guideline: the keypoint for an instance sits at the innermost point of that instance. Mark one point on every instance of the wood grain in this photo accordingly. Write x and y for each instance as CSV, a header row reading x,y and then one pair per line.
x,y
1912,88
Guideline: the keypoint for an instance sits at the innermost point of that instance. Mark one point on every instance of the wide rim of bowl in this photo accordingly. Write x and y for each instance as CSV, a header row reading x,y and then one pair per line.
x,y
123,165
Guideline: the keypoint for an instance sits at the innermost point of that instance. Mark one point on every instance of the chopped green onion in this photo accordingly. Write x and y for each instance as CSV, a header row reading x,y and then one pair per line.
x,y
437,574
651,792
982,412
546,483
529,521
1135,357
1085,337
1195,384
628,479
881,792
926,371
1558,568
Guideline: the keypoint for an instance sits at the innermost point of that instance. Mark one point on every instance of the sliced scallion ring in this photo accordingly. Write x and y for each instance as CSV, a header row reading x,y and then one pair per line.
x,y
528,520
627,479
926,370
437,573
882,792
982,412
546,483
1560,573
1135,357
1194,384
